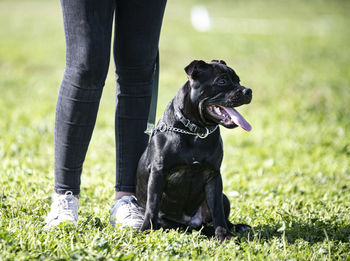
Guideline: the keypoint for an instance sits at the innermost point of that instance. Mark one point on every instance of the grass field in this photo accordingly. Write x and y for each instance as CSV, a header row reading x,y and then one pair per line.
x,y
289,178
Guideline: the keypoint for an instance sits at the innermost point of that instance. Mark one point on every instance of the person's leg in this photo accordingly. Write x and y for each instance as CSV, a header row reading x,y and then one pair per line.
x,y
138,25
88,26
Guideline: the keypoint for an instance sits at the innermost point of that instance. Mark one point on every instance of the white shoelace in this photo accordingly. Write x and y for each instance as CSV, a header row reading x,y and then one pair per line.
x,y
65,206
127,212
135,210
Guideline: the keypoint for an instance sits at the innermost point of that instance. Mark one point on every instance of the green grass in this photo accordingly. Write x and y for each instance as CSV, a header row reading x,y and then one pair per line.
x,y
289,178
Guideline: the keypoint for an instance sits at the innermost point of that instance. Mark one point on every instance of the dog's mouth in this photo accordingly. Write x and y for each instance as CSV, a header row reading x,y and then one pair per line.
x,y
228,117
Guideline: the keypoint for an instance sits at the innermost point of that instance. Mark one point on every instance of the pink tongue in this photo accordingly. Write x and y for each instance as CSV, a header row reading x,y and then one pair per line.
x,y
238,119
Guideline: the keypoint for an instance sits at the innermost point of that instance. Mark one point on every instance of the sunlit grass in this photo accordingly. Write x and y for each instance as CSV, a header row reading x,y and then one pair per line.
x,y
289,178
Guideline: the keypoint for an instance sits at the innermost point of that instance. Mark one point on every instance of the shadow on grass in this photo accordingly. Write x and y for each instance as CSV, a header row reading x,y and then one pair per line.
x,y
312,231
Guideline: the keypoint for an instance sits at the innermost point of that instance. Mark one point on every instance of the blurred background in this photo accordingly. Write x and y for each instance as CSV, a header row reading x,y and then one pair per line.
x,y
288,178
294,55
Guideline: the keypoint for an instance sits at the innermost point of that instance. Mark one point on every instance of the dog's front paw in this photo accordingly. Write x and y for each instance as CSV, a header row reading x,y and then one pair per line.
x,y
223,234
145,226
148,224
241,228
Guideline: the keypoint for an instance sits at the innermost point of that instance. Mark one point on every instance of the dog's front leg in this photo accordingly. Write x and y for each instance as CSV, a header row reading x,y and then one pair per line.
x,y
154,193
213,191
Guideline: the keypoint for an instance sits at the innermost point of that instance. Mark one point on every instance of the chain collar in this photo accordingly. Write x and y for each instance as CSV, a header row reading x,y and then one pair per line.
x,y
188,124
194,129
162,127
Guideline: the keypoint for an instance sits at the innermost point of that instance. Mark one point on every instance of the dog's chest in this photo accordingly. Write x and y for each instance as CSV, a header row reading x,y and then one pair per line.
x,y
193,164
197,153
189,165
189,175
185,189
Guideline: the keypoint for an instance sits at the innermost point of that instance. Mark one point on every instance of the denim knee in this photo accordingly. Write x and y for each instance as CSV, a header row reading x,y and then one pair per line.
x,y
85,77
135,80
134,91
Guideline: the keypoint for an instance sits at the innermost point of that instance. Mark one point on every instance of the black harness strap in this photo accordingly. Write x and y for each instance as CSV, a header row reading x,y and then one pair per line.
x,y
153,106
192,126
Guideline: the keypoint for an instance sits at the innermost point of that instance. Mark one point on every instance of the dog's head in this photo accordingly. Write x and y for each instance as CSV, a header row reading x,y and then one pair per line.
x,y
215,91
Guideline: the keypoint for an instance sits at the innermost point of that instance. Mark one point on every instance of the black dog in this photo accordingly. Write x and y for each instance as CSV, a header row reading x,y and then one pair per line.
x,y
178,178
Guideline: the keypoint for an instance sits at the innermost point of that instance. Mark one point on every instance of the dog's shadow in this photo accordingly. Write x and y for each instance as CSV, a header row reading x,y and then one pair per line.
x,y
312,231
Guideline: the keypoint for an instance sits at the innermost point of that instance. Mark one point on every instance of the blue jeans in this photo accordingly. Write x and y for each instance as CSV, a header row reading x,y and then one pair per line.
x,y
88,31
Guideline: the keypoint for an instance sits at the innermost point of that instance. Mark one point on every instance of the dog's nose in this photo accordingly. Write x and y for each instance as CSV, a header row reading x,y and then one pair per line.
x,y
247,92
247,95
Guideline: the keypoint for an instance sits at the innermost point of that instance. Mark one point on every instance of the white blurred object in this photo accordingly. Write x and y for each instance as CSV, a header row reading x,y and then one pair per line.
x,y
200,18
233,193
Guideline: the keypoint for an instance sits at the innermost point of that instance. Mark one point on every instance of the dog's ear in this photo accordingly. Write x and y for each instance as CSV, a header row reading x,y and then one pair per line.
x,y
195,67
219,61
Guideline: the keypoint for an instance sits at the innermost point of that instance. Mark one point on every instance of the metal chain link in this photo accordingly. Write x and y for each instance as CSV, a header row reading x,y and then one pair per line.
x,y
180,131
163,128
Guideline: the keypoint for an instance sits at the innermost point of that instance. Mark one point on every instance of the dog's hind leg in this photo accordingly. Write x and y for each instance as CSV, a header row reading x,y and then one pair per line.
x,y
238,228
206,216
227,209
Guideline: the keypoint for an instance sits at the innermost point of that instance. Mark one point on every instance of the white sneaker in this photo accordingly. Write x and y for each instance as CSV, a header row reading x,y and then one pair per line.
x,y
63,208
127,212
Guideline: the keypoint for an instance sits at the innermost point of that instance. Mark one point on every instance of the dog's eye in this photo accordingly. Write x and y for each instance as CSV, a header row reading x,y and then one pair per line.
x,y
221,81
